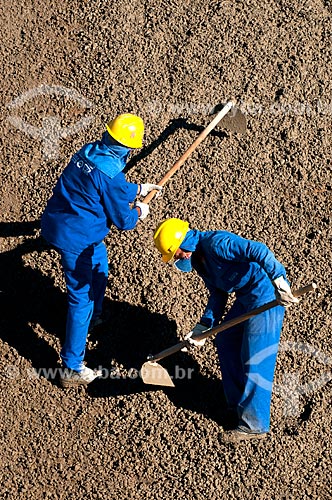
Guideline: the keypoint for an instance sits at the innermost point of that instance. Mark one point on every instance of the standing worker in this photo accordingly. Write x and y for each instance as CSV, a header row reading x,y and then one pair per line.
x,y
90,195
247,352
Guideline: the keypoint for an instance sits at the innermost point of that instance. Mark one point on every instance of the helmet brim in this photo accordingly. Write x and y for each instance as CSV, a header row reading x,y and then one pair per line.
x,y
167,258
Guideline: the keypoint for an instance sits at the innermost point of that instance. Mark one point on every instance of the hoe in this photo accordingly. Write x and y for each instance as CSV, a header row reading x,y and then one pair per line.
x,y
154,374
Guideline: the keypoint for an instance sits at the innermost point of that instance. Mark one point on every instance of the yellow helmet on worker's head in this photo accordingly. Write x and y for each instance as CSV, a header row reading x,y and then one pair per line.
x,y
127,129
168,237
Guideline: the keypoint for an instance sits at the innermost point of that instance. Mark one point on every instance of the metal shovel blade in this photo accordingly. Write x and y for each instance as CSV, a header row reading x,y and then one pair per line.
x,y
234,121
154,374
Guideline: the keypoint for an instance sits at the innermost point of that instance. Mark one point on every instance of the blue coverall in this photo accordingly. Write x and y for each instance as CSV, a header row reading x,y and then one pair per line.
x,y
247,353
90,195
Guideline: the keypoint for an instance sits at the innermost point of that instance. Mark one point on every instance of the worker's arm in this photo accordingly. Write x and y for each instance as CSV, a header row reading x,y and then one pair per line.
x,y
211,317
116,196
215,306
232,247
235,248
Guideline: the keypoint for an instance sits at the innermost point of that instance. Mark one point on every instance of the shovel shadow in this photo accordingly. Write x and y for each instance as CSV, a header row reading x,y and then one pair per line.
x,y
178,123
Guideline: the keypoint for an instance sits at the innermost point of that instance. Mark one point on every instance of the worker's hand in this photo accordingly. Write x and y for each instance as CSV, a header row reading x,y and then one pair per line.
x,y
143,209
283,292
199,328
146,188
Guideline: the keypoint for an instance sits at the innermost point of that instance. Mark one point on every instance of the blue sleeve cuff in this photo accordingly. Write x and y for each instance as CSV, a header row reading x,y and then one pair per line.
x,y
215,308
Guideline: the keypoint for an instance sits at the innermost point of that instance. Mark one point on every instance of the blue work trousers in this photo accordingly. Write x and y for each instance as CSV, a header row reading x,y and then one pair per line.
x,y
86,280
247,355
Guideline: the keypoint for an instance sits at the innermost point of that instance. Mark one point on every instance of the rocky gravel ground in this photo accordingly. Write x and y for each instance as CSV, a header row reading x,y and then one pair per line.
x,y
67,68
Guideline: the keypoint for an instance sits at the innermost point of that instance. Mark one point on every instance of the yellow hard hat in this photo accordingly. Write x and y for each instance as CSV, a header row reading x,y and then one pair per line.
x,y
168,237
127,129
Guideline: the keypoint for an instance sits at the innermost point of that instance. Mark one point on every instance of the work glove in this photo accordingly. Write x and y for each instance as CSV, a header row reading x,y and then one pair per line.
x,y
199,328
144,208
146,188
283,292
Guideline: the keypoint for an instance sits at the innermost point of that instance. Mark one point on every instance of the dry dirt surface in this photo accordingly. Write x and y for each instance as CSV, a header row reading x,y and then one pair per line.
x,y
67,68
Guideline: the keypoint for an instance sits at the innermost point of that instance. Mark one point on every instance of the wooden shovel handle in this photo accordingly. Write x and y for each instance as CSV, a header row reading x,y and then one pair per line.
x,y
250,314
187,153
228,324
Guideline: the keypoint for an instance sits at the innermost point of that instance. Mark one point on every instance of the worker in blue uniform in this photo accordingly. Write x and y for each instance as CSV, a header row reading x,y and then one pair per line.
x,y
247,352
91,195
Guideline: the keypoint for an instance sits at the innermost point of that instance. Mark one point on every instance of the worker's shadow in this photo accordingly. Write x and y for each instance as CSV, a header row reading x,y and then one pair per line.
x,y
33,310
169,130
29,298
33,317
134,333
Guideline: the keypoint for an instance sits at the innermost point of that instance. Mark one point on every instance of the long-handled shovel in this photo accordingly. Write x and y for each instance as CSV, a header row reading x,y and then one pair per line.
x,y
153,373
235,121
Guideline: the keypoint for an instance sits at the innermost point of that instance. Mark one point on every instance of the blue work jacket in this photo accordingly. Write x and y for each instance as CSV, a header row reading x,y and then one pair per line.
x,y
229,263
90,195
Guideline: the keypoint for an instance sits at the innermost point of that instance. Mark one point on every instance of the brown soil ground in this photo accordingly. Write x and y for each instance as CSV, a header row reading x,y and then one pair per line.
x,y
168,62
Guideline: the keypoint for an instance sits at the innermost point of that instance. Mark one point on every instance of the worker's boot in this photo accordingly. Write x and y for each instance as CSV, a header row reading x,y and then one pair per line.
x,y
237,435
72,378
